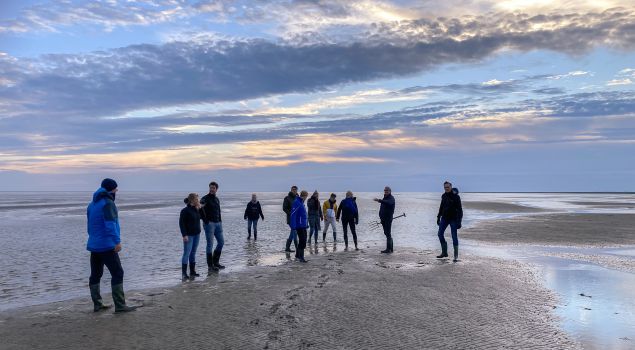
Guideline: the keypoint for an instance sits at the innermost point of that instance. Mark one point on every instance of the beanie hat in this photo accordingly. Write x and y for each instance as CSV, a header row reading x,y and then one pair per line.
x,y
109,184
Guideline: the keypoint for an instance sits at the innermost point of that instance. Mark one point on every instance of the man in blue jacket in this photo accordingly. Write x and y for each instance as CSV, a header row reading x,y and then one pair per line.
x,y
104,244
299,222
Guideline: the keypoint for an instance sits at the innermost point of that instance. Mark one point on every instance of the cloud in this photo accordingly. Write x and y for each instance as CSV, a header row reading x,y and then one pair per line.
x,y
112,82
56,15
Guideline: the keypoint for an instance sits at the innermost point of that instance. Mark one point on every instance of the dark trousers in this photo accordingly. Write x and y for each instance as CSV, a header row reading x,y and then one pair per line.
x,y
346,223
112,262
387,226
299,252
443,224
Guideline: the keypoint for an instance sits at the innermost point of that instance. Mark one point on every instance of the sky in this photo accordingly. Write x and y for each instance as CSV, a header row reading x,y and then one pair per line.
x,y
168,95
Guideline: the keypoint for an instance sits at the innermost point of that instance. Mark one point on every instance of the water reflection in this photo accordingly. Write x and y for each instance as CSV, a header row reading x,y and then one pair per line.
x,y
253,253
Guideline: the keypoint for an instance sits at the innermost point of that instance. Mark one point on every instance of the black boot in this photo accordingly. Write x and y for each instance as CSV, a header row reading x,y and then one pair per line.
x,y
210,264
217,260
193,270
456,253
255,236
288,248
120,300
345,242
295,243
355,241
98,303
323,236
390,245
444,250
184,275
334,236
387,250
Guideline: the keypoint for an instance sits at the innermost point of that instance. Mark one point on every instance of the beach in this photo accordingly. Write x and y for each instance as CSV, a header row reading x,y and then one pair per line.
x,y
342,300
580,229
530,275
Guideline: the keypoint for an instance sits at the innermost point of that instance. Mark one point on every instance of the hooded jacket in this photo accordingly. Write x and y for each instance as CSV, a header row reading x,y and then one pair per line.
x,y
329,205
298,215
387,208
211,208
451,208
253,211
104,232
287,205
348,210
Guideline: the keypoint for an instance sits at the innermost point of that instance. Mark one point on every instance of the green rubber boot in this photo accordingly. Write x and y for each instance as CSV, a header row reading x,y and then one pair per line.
x,y
444,250
120,300
98,303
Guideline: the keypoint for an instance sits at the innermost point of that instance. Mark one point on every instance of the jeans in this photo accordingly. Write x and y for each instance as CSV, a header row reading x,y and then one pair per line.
x,y
112,262
293,235
443,224
329,221
253,223
349,223
216,229
299,252
189,249
314,226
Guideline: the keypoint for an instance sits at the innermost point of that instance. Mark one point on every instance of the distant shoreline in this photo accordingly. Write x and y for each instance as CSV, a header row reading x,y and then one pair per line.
x,y
281,191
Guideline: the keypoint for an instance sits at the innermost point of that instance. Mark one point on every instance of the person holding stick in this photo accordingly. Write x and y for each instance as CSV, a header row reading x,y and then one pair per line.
x,y
386,211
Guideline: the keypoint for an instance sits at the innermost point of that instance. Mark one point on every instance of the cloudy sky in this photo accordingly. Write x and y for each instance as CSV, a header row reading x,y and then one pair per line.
x,y
510,95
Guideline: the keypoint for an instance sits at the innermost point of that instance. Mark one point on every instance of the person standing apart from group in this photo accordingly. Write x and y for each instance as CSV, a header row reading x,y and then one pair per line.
x,y
213,226
450,214
350,217
190,226
329,209
287,205
299,223
386,211
315,216
252,213
104,244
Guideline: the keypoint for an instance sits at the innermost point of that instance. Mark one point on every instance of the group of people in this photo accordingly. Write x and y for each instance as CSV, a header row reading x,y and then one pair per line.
x,y
104,241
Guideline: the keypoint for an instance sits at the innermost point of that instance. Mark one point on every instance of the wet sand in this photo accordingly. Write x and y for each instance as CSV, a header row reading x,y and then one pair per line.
x,y
500,207
339,300
600,230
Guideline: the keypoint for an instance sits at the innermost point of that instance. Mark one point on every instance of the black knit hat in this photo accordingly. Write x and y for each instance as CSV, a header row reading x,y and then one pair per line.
x,y
108,184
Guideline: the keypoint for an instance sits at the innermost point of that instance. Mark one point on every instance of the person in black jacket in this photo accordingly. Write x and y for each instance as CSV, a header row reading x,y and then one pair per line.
x,y
190,225
450,213
350,217
213,226
315,215
252,213
287,205
386,211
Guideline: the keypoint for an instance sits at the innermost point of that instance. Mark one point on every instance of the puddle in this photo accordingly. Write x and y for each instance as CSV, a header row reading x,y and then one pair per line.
x,y
596,304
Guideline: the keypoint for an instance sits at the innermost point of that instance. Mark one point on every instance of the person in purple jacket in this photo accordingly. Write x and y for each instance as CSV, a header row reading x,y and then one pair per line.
x,y
299,222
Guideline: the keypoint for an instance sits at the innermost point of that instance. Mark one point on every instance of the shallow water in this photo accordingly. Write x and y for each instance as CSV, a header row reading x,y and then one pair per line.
x,y
44,259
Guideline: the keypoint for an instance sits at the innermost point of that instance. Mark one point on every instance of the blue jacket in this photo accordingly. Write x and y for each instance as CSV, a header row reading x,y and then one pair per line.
x,y
103,223
298,215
